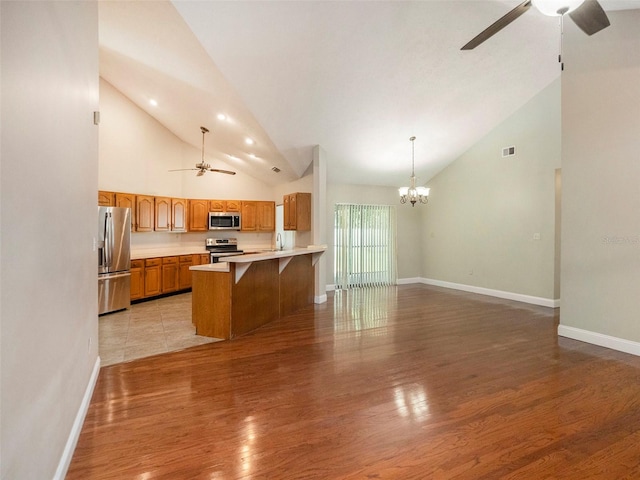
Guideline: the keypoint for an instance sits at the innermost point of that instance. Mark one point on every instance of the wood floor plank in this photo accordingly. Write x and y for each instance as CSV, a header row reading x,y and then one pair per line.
x,y
407,382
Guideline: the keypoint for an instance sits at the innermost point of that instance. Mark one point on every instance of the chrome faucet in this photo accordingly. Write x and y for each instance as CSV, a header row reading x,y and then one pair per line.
x,y
279,244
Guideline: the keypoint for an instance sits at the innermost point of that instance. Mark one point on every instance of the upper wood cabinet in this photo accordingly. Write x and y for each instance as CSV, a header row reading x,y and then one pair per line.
x,y
127,200
106,199
145,208
224,205
258,216
162,214
198,215
178,215
249,213
266,217
297,211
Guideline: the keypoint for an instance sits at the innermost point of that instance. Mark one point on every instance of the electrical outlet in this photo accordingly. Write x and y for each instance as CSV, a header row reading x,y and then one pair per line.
x,y
536,236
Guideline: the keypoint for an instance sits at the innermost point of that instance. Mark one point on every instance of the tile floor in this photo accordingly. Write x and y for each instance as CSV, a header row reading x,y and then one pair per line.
x,y
148,328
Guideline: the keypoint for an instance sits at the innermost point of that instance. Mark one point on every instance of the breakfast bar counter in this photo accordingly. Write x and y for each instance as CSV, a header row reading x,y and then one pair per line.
x,y
247,291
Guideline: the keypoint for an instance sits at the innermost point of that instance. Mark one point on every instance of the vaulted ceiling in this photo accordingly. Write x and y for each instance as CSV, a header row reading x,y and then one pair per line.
x,y
357,78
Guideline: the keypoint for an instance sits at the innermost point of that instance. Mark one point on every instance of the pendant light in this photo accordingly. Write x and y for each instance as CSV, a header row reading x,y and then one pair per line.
x,y
412,193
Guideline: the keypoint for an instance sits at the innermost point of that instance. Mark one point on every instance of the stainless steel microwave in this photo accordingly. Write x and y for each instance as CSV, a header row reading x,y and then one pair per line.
x,y
224,221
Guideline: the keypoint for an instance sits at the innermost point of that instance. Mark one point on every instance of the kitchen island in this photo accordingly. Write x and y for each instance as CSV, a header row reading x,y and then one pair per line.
x,y
247,291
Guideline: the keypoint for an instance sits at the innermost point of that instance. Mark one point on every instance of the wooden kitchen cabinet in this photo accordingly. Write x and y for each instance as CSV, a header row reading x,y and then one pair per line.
x,y
127,200
198,215
137,279
162,214
184,274
106,199
152,277
249,217
297,211
266,217
178,215
144,213
170,269
258,216
224,205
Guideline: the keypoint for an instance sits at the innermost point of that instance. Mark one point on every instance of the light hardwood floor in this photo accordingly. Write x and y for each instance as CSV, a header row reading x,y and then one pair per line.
x,y
148,328
409,382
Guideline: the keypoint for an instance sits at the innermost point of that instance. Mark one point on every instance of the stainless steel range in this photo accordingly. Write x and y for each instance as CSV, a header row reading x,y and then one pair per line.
x,y
222,247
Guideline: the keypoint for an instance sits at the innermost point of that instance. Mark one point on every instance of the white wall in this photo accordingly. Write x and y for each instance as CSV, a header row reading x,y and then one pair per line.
x,y
136,153
49,154
409,241
484,209
600,182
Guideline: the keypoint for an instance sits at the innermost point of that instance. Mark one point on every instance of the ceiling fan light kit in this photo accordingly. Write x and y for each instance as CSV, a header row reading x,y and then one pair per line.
x,y
412,193
555,8
203,167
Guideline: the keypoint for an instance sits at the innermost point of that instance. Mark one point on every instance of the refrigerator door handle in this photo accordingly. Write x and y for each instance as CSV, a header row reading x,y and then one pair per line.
x,y
108,243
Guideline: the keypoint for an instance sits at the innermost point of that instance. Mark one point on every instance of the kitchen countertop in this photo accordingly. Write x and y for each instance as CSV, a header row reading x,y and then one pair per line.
x,y
211,267
256,257
268,255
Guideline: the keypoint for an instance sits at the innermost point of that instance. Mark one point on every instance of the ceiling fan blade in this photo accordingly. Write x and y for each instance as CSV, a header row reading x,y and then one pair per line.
x,y
498,25
217,170
590,17
182,169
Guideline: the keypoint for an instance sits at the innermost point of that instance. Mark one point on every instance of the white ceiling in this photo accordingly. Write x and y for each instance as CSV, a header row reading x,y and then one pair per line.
x,y
357,78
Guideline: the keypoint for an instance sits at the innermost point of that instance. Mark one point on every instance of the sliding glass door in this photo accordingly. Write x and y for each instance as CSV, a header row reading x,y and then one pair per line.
x,y
365,245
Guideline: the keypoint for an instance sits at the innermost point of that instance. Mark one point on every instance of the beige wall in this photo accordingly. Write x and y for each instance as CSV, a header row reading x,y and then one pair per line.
x,y
49,154
601,181
137,152
484,209
409,241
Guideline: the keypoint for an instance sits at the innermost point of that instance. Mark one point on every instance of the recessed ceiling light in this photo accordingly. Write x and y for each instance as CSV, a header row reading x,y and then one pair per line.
x,y
153,102
249,141
222,116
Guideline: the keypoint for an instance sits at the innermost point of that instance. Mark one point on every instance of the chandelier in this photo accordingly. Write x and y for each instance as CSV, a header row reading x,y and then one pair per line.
x,y
412,193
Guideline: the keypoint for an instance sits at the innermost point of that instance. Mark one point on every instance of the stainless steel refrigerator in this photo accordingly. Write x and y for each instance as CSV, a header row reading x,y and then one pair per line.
x,y
114,260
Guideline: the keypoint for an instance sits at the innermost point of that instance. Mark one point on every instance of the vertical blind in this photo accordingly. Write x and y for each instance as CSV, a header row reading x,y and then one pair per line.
x,y
365,245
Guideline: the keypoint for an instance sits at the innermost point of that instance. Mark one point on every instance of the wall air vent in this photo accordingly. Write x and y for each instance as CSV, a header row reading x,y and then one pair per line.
x,y
275,169
509,151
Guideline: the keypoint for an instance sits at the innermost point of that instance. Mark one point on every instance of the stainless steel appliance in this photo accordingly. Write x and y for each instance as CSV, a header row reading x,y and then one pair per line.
x,y
114,261
222,247
224,221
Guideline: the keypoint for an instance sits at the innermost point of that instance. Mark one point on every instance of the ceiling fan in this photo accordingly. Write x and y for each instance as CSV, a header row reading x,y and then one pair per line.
x,y
586,14
203,167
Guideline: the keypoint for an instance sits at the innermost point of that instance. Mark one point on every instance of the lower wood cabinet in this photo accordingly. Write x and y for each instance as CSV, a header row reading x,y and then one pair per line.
x,y
152,277
137,279
170,267
184,274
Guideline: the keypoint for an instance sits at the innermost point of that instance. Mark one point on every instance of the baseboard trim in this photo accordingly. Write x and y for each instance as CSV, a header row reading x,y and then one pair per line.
x,y
320,298
600,339
72,441
408,281
518,297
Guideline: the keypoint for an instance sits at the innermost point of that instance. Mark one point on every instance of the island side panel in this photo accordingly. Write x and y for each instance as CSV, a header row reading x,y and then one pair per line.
x,y
211,303
296,285
254,299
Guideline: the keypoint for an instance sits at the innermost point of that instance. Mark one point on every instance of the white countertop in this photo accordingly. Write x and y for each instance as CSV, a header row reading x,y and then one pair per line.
x,y
211,267
254,257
